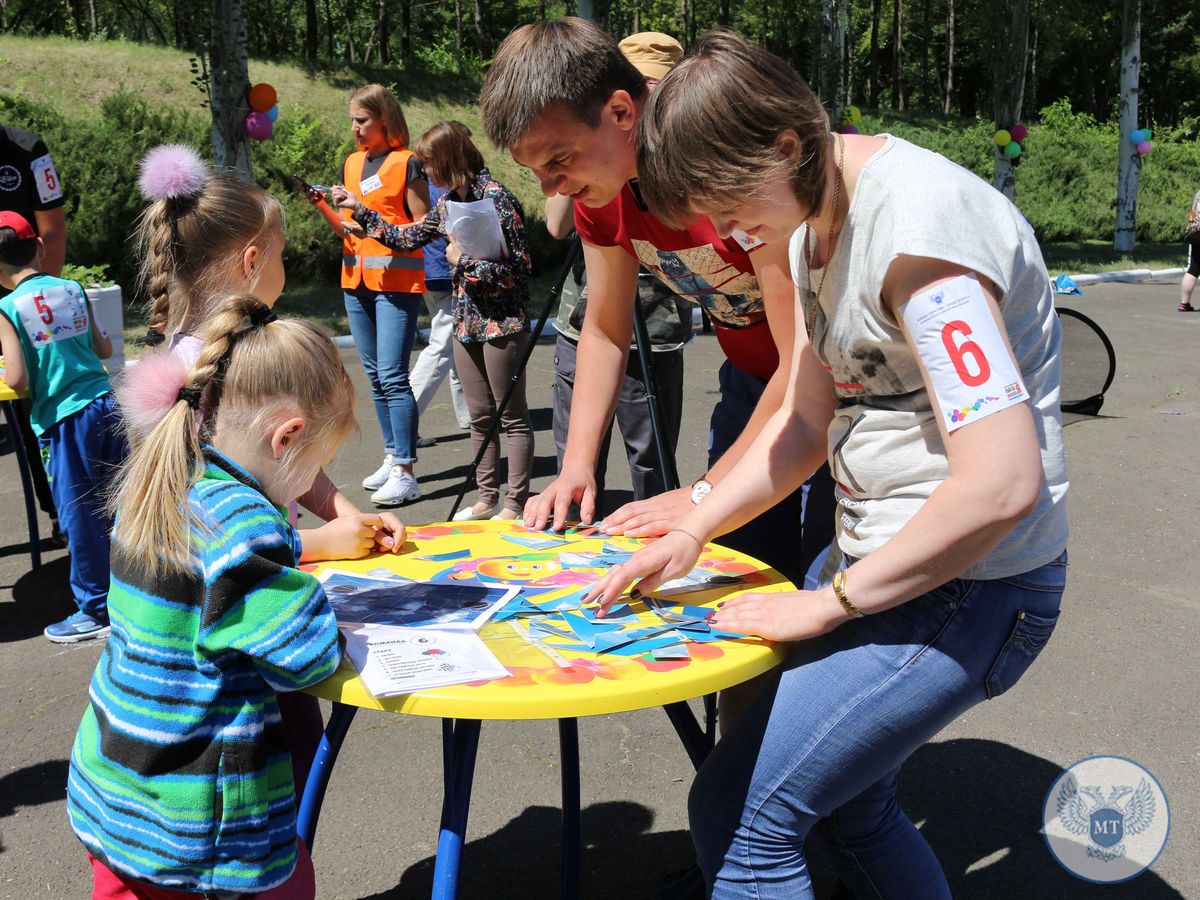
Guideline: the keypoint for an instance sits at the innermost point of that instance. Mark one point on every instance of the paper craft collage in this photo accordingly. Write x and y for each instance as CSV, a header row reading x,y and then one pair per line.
x,y
417,630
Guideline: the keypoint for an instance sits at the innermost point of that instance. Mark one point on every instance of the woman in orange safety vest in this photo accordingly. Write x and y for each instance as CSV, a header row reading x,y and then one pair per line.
x,y
383,288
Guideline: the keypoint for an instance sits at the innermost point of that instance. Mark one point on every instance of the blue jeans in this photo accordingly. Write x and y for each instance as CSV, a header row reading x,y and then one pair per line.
x,y
793,535
822,743
383,326
81,454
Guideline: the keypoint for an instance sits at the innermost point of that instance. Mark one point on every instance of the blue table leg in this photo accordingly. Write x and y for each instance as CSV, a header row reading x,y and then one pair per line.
x,y
695,740
322,768
460,741
35,539
568,743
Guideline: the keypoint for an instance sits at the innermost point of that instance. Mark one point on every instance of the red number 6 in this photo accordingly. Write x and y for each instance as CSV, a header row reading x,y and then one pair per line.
x,y
959,352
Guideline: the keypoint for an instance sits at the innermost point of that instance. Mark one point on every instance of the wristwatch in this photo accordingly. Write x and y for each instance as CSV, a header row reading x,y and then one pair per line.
x,y
700,488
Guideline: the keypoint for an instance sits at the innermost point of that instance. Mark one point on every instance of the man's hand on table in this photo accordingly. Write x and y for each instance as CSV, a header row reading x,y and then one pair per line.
x,y
649,517
553,505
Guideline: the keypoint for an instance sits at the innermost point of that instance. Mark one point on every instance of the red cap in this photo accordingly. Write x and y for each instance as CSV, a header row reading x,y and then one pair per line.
x,y
18,223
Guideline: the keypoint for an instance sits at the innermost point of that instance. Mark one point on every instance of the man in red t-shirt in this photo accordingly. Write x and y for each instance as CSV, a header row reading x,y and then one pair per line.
x,y
562,98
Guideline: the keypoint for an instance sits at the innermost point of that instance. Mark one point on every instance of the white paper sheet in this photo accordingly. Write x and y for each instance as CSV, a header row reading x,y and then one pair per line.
x,y
393,660
476,228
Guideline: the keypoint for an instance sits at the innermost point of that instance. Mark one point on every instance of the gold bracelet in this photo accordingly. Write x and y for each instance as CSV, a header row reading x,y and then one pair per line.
x,y
839,591
699,543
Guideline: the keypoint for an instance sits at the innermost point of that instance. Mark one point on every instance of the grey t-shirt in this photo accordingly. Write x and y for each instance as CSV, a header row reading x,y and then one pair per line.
x,y
668,318
885,450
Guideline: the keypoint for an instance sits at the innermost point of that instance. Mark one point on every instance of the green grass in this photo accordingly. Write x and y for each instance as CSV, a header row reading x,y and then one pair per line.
x,y
1079,257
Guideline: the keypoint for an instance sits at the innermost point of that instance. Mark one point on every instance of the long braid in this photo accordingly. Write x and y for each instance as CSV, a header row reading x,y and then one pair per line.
x,y
157,236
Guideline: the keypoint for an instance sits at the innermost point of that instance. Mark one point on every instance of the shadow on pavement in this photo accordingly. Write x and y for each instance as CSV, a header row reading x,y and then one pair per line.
x,y
39,598
521,860
981,804
43,782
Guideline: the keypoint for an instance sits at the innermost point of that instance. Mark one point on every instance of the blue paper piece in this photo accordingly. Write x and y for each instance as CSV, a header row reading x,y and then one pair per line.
x,y
518,606
446,557
672,651
541,626
586,631
611,640
713,634
622,613
537,543
571,600
610,547
637,648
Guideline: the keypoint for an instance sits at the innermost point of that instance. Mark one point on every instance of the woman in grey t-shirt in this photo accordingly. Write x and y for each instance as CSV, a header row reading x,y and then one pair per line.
x,y
930,380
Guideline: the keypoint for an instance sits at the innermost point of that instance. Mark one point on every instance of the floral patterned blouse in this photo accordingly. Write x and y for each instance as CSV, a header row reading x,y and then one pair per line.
x,y
490,298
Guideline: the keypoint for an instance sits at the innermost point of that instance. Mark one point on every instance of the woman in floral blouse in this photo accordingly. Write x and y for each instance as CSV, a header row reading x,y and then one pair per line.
x,y
491,318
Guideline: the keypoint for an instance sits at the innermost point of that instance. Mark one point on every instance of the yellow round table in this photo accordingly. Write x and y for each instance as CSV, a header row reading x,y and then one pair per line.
x,y
543,683
8,400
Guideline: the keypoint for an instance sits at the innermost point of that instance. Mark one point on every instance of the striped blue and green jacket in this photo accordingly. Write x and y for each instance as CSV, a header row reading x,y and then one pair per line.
x,y
180,775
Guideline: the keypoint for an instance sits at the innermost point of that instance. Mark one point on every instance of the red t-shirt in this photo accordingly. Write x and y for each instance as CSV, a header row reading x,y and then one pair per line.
x,y
698,265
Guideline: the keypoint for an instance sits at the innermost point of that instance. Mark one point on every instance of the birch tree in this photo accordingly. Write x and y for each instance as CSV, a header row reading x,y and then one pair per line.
x,y
228,86
1129,161
1008,76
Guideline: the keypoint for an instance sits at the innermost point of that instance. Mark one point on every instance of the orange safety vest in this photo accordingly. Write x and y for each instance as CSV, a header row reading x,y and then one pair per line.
x,y
366,261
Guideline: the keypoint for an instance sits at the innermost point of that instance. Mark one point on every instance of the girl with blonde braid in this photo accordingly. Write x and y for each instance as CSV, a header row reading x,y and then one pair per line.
x,y
180,780
203,237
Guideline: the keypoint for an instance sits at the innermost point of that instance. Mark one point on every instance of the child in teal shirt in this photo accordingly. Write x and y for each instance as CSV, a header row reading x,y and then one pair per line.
x,y
52,345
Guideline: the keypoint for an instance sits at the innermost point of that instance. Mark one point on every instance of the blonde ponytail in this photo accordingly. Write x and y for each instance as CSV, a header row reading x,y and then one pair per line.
x,y
242,379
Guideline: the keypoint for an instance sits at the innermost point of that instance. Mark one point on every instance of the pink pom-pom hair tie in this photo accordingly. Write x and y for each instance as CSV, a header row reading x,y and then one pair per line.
x,y
146,392
172,172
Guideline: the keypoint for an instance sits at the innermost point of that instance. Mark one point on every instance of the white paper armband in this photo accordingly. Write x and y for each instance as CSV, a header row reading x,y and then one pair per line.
x,y
956,336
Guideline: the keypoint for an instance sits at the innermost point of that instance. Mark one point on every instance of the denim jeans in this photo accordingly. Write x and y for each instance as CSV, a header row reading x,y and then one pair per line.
x,y
383,326
793,535
822,743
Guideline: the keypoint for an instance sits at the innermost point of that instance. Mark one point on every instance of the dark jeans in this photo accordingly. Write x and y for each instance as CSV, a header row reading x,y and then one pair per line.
x,y
632,417
795,532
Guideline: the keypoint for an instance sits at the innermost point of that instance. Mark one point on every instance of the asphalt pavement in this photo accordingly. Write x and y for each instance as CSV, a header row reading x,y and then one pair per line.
x,y
1118,677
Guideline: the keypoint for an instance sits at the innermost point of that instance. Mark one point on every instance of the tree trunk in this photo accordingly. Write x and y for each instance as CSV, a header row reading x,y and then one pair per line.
x,y
829,59
948,91
1031,98
897,56
311,34
406,31
385,31
481,38
926,40
637,16
1129,161
873,76
542,10
458,56
351,53
1009,58
229,83
329,28
723,18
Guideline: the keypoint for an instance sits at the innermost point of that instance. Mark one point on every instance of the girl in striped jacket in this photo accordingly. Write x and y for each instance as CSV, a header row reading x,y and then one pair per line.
x,y
180,778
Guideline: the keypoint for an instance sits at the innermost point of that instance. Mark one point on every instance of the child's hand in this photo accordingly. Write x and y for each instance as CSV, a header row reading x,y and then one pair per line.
x,y
353,536
390,535
342,197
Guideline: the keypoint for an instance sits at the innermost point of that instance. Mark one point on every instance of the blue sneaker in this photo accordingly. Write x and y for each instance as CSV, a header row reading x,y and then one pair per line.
x,y
77,627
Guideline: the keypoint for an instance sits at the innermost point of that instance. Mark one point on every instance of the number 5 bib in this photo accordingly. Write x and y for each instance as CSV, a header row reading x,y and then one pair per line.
x,y
53,314
957,338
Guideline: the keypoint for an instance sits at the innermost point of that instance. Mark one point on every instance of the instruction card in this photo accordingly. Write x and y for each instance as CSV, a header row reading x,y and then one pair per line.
x,y
394,661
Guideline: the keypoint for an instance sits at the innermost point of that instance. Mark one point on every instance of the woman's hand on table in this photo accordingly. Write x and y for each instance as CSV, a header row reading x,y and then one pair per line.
x,y
354,536
655,515
669,557
788,616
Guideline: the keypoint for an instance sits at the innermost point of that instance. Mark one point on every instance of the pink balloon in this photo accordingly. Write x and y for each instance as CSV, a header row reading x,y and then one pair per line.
x,y
1144,147
259,126
1018,132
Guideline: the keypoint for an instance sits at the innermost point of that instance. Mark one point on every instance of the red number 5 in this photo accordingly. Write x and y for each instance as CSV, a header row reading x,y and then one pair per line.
x,y
45,313
959,352
51,181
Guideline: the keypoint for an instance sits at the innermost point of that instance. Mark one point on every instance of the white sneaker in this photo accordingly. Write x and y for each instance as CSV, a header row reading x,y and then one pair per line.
x,y
468,513
399,488
379,477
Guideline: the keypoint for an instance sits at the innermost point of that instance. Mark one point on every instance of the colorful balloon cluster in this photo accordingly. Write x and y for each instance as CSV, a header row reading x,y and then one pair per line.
x,y
1009,140
264,111
1140,138
851,116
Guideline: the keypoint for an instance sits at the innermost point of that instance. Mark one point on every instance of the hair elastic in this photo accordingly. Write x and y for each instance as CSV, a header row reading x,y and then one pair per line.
x,y
260,316
190,396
